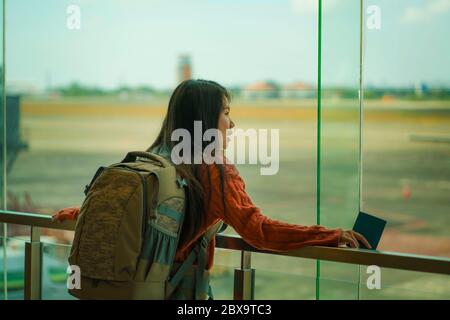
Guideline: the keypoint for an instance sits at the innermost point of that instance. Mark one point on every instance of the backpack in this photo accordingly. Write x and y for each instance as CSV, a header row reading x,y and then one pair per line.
x,y
127,233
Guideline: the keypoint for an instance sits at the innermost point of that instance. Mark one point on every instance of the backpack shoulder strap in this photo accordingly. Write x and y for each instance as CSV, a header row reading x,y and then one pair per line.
x,y
201,284
199,252
211,232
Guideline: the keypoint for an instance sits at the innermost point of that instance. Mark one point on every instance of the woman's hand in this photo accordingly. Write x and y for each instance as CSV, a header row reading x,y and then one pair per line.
x,y
70,213
351,238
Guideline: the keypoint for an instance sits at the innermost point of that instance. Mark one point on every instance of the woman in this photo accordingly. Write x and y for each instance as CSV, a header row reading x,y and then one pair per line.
x,y
216,191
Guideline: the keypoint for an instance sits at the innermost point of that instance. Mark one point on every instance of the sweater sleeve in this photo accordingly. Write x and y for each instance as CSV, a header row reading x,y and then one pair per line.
x,y
258,230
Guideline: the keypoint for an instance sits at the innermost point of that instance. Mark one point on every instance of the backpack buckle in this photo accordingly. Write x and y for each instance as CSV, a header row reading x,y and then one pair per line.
x,y
204,243
181,182
86,189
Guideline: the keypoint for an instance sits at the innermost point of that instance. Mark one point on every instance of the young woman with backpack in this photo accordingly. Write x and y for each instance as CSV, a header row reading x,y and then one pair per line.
x,y
216,192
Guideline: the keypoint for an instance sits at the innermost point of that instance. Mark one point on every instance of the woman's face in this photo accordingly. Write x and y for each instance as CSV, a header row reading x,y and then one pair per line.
x,y
225,122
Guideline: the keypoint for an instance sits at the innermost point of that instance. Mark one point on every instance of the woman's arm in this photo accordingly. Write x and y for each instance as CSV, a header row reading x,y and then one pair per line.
x,y
258,230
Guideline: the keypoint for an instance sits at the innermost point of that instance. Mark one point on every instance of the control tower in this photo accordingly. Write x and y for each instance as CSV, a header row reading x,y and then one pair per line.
x,y
184,70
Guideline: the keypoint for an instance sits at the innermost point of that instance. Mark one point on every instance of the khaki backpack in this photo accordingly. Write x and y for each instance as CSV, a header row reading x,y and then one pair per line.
x,y
127,234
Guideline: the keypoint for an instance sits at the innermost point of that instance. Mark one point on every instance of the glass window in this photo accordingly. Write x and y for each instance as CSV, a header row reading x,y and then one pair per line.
x,y
92,80
361,117
339,131
406,172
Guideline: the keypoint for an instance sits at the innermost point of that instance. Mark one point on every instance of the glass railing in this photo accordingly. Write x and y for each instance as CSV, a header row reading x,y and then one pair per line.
x,y
40,265
406,285
12,268
222,275
284,278
54,272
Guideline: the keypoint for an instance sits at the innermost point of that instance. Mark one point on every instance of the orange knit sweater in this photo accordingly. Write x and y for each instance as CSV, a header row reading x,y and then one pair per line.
x,y
241,214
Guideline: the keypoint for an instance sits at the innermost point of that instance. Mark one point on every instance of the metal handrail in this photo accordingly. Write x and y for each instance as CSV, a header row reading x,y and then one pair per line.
x,y
438,265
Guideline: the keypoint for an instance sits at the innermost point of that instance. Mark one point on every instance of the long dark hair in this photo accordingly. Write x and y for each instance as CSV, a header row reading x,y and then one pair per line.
x,y
193,100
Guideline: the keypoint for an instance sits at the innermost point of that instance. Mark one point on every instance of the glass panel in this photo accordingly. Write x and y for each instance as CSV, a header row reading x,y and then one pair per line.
x,y
17,231
69,129
84,104
406,126
75,119
3,227
222,276
338,281
12,268
287,103
404,285
3,266
55,236
54,276
339,136
406,120
284,278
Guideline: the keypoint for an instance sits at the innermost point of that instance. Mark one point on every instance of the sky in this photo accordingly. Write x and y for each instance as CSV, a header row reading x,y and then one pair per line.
x,y
234,42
